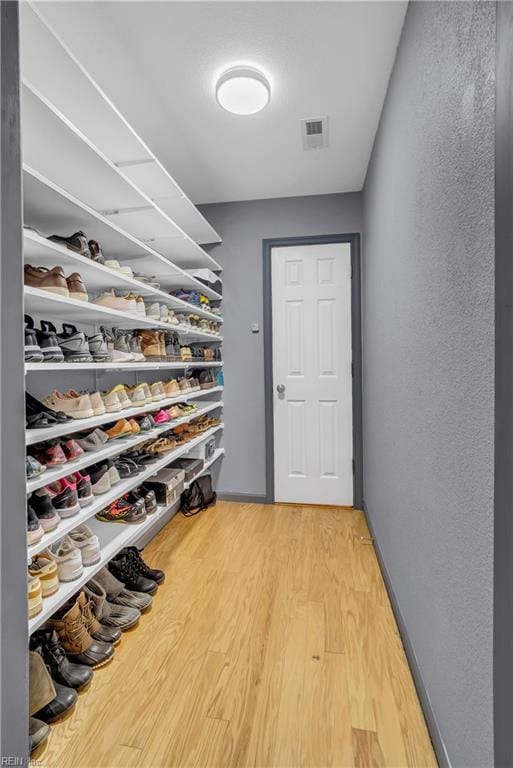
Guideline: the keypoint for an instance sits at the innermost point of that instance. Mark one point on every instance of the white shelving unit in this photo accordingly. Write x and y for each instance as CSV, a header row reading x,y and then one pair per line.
x,y
86,169
49,66
43,304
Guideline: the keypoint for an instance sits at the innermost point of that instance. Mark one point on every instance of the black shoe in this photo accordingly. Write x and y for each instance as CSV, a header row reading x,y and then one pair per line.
x,y
63,671
38,733
62,704
76,242
33,352
48,516
126,467
124,569
134,555
49,343
34,408
147,497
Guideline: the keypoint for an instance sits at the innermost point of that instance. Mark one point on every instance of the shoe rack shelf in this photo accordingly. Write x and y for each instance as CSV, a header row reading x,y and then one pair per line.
x,y
52,209
113,536
52,69
33,436
114,448
46,304
100,502
46,367
38,250
53,145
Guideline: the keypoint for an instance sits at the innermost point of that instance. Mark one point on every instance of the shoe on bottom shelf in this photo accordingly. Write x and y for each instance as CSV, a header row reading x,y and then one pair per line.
x,y
117,592
46,642
68,559
110,614
127,568
87,543
96,630
78,644
38,733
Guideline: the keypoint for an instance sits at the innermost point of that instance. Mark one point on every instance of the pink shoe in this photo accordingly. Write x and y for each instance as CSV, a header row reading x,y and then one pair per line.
x,y
72,449
51,455
162,417
59,486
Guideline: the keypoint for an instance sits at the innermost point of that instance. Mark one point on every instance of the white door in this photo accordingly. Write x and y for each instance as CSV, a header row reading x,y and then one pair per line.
x,y
312,379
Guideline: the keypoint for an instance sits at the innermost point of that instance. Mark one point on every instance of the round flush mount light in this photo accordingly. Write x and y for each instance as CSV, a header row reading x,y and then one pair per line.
x,y
243,90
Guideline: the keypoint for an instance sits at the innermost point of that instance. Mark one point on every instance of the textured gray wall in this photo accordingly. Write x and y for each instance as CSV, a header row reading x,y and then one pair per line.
x,y
428,365
243,226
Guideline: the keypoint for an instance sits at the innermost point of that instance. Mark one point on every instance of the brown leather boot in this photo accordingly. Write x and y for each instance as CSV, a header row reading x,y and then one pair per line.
x,y
150,345
76,287
95,629
52,280
76,640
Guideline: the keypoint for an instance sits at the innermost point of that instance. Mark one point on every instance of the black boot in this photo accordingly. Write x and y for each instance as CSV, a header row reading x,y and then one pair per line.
x,y
134,554
63,671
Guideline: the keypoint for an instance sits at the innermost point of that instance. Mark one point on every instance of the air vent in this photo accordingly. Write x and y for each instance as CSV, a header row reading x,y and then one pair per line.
x,y
315,132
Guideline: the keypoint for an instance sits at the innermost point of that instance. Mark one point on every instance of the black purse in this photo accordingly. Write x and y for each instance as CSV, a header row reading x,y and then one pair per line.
x,y
200,495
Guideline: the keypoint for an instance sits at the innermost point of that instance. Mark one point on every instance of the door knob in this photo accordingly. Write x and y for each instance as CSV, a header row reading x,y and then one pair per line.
x,y
280,389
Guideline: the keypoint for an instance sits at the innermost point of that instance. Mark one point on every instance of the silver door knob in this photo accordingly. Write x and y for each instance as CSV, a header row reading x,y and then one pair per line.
x,y
280,389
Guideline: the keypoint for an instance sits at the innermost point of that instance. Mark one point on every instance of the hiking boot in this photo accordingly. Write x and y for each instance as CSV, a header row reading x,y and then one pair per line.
x,y
110,614
33,353
117,593
52,280
127,569
49,343
76,242
63,671
38,733
150,345
93,626
134,554
76,640
74,344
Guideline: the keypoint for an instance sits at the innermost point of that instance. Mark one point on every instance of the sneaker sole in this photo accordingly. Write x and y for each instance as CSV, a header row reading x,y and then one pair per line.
x,y
79,296
78,358
33,357
35,606
69,511
86,501
87,413
31,540
51,527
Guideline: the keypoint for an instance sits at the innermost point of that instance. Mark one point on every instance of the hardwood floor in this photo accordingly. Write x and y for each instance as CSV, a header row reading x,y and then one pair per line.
x,y
271,643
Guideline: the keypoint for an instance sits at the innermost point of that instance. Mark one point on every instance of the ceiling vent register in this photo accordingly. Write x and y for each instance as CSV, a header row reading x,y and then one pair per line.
x,y
315,132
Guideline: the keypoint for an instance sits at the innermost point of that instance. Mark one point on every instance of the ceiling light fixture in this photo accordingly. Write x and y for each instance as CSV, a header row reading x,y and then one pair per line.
x,y
243,90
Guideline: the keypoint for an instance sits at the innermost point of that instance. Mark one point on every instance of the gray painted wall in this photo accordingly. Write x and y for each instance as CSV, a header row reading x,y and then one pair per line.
x,y
243,226
428,357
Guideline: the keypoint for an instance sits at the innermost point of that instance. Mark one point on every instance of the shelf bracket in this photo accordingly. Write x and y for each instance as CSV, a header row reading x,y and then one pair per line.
x,y
128,163
133,209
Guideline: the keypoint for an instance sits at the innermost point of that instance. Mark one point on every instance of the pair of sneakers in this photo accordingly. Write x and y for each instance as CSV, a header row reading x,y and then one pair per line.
x,y
123,346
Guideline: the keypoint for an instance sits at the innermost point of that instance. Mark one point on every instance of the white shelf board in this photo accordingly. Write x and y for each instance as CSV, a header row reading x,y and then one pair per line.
x,y
49,305
39,251
217,455
101,502
54,211
49,64
114,448
46,367
33,436
53,145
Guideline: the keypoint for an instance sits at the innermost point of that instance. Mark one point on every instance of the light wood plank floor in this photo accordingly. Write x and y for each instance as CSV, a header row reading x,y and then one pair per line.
x,y
272,644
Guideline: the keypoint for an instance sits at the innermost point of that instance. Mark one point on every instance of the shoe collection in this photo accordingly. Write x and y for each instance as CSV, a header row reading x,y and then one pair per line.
x,y
80,637
46,344
58,407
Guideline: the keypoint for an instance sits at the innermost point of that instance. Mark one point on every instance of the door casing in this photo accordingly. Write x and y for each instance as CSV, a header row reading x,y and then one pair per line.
x,y
356,341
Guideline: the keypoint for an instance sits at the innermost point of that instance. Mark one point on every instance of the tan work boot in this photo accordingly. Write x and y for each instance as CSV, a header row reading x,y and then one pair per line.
x,y
76,640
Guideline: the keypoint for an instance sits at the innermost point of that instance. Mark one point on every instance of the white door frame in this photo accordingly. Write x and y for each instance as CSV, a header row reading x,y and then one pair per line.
x,y
354,240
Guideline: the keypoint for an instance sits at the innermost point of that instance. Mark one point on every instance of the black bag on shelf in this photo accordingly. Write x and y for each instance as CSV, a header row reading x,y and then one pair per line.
x,y
199,496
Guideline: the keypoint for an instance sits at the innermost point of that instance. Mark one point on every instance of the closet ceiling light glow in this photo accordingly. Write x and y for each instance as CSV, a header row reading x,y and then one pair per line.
x,y
243,91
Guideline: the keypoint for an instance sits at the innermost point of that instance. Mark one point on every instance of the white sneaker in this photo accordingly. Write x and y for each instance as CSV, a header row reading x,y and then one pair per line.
x,y
111,402
153,311
164,313
112,264
67,558
126,270
87,543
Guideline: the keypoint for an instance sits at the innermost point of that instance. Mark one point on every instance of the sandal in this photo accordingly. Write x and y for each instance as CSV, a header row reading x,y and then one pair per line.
x,y
161,446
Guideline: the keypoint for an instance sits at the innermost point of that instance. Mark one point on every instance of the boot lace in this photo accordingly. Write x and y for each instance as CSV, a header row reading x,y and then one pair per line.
x,y
77,632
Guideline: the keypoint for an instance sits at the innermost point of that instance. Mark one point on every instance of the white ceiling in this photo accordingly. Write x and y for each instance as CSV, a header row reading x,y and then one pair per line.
x,y
158,62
